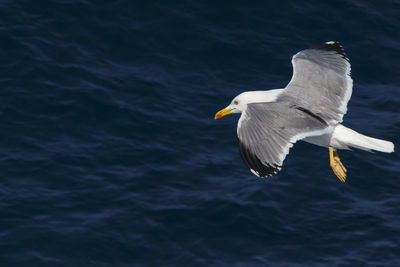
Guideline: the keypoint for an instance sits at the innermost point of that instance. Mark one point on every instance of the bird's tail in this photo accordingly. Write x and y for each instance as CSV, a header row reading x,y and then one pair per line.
x,y
353,139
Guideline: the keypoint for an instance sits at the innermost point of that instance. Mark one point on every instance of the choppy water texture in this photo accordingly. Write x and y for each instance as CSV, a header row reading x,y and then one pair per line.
x,y
110,155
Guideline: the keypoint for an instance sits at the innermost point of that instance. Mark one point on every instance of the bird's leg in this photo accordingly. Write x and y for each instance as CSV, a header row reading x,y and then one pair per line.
x,y
338,169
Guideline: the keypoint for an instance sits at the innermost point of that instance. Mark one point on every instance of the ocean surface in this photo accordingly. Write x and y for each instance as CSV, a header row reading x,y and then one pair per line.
x,y
110,154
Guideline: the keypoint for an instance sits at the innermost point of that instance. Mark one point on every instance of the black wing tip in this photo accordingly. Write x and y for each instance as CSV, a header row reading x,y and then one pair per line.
x,y
333,46
255,165
267,172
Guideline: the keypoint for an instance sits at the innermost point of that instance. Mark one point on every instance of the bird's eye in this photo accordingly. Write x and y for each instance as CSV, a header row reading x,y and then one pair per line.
x,y
235,102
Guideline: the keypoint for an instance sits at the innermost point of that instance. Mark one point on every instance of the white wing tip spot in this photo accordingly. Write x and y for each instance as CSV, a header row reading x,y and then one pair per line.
x,y
273,173
330,42
255,172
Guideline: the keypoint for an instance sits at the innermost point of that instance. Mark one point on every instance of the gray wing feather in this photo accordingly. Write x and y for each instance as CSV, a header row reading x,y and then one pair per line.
x,y
321,82
266,132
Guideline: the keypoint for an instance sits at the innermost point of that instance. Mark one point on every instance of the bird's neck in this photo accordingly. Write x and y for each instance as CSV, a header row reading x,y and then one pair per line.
x,y
263,96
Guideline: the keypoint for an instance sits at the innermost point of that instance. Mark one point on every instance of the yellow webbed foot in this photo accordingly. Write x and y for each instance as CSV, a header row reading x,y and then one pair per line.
x,y
338,169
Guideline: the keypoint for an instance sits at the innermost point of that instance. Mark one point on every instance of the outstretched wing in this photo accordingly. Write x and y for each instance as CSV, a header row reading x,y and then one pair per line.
x,y
321,81
267,131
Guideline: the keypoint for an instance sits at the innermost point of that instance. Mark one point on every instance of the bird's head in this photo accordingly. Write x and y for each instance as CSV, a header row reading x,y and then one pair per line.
x,y
239,103
236,106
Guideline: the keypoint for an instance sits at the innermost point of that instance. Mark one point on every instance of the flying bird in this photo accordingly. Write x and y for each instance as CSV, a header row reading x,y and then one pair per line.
x,y
310,108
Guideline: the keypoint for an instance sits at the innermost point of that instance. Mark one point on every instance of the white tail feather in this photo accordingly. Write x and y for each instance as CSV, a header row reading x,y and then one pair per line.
x,y
344,137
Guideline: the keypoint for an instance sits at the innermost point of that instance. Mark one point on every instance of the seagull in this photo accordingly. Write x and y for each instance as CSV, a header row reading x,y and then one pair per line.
x,y
310,108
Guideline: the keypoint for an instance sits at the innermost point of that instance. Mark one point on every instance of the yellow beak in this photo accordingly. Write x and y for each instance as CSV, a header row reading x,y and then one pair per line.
x,y
223,112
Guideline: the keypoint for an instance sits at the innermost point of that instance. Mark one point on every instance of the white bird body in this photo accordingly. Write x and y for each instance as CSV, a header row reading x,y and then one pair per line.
x,y
338,136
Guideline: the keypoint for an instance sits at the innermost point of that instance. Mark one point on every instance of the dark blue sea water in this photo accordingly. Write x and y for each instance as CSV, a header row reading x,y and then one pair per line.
x,y
110,154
